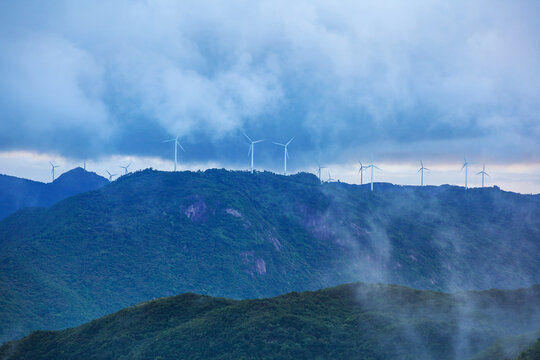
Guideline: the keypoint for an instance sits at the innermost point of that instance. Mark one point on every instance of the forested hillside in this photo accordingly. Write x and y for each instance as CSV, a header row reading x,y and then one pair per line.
x,y
357,321
240,235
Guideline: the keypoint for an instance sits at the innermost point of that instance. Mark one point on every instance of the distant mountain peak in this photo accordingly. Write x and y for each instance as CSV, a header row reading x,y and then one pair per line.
x,y
16,193
77,176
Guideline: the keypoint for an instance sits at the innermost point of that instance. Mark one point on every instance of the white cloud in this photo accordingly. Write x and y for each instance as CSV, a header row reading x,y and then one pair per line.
x,y
416,77
49,83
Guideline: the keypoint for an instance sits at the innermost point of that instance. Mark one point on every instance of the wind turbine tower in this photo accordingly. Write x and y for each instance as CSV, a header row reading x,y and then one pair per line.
x,y
110,175
371,166
422,168
466,167
319,172
285,155
176,146
252,148
361,172
52,169
483,172
125,168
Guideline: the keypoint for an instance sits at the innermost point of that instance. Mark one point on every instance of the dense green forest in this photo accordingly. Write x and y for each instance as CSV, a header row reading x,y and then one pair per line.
x,y
238,235
356,321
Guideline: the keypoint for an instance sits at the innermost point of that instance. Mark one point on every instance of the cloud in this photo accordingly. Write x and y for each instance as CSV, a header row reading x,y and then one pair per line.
x,y
428,78
50,88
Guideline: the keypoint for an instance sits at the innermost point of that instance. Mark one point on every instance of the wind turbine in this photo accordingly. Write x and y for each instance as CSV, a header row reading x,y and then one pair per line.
x,y
483,172
371,166
466,167
252,148
125,168
110,175
330,177
176,145
422,168
285,155
361,172
319,172
52,168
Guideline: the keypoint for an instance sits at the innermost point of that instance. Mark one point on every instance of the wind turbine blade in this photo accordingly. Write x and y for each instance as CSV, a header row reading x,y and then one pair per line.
x,y
258,141
177,143
419,170
479,173
427,169
164,141
290,140
287,152
278,143
463,167
376,167
486,173
250,146
246,136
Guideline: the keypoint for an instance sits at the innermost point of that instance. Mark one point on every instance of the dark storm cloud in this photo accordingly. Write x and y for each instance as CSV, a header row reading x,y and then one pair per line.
x,y
432,77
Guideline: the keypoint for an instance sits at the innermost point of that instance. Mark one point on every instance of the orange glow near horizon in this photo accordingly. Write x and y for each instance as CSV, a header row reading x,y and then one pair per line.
x,y
518,177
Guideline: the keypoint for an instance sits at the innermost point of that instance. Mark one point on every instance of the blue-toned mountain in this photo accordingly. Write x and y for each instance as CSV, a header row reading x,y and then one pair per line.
x,y
16,193
240,235
353,321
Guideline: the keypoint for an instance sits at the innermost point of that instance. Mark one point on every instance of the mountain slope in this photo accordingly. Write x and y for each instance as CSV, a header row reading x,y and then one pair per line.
x,y
16,193
240,235
508,347
356,321
532,353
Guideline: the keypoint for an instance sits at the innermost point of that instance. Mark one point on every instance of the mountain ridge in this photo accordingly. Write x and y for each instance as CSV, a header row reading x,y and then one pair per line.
x,y
353,321
17,193
239,235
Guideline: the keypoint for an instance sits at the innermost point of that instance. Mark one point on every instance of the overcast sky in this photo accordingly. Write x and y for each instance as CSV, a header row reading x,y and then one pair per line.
x,y
395,81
